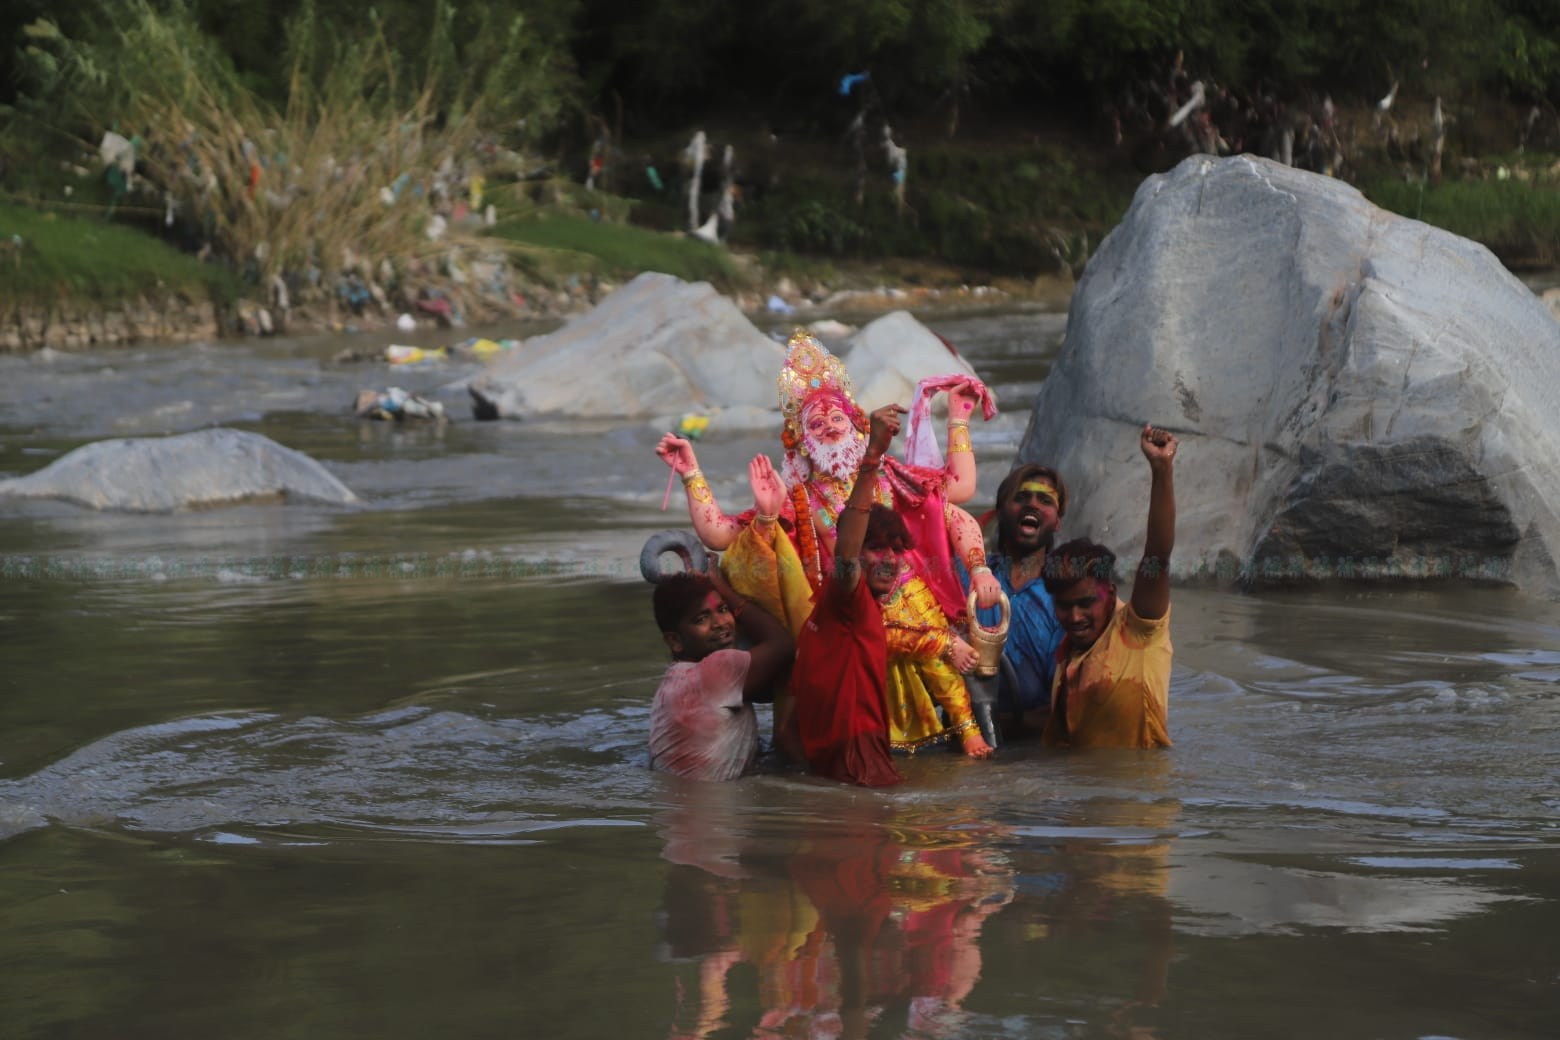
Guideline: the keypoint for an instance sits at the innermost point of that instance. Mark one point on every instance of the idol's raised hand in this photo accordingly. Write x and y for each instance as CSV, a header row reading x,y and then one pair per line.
x,y
768,489
962,400
677,453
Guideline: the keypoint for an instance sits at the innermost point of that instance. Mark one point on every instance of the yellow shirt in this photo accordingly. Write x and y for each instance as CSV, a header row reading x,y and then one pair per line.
x,y
1115,694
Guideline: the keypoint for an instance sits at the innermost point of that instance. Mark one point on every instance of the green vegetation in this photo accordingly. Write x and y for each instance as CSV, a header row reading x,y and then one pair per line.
x,y
44,257
325,172
1518,217
568,243
320,142
1024,211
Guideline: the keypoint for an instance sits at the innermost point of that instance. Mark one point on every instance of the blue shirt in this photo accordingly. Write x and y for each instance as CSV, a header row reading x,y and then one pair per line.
x,y
1033,636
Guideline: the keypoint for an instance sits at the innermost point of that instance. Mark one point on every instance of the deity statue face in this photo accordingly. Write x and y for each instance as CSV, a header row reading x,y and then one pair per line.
x,y
826,424
831,441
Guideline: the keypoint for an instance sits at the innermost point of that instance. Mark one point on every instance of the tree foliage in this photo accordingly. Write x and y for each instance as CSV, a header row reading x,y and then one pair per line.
x,y
675,58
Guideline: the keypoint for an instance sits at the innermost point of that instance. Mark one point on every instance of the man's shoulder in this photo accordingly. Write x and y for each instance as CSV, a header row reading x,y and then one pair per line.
x,y
714,667
676,673
1137,631
725,668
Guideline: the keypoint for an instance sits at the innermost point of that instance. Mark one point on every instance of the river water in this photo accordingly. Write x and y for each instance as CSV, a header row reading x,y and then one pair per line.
x,y
298,771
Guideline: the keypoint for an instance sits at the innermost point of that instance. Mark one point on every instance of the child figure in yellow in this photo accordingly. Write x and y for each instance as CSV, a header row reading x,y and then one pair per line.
x,y
925,659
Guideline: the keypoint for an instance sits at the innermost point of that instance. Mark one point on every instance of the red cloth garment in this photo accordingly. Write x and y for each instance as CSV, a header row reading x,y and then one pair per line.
x,y
920,443
839,682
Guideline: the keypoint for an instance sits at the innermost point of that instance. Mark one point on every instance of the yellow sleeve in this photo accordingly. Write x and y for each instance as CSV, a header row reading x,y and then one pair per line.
x,y
1141,633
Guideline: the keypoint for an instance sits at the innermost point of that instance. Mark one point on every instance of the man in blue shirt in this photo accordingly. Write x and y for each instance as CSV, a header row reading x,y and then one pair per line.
x,y
1030,504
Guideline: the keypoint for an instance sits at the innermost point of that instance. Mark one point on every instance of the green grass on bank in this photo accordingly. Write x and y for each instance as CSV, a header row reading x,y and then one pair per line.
x,y
1518,220
45,257
567,244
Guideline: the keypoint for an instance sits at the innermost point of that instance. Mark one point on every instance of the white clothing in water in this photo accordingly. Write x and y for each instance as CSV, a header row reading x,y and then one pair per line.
x,y
700,726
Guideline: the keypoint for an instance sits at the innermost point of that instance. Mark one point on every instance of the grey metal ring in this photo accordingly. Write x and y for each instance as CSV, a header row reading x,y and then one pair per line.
x,y
684,544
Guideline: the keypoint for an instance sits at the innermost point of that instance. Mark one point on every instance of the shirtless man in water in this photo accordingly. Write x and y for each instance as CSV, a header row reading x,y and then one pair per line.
x,y
702,723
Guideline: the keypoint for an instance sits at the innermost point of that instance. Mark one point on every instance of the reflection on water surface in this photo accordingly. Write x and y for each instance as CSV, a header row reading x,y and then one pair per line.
x,y
339,773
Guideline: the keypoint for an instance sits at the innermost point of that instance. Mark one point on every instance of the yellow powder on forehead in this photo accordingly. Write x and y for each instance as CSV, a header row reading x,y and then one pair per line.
x,y
1039,487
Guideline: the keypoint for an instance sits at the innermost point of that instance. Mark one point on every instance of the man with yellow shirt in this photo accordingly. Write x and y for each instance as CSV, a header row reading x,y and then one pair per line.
x,y
1112,684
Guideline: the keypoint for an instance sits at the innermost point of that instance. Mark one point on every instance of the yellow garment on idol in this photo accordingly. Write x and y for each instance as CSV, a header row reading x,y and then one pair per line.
x,y
762,565
919,679
1116,694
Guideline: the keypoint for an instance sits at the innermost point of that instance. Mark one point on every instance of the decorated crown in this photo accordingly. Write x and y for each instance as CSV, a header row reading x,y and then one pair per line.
x,y
809,371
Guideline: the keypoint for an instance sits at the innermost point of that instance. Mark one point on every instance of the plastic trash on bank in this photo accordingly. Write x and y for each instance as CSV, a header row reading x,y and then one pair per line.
x,y
401,354
396,405
693,426
481,349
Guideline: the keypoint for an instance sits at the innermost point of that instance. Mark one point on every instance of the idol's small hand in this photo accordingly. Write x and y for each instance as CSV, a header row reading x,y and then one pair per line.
x,y
988,591
768,489
677,453
962,656
962,400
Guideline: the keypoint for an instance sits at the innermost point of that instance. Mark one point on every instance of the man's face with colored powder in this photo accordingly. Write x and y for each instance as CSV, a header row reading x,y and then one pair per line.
x,y
708,627
1029,519
1084,607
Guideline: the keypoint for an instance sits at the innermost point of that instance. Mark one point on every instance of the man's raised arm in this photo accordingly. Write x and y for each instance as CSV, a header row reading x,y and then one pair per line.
x,y
1151,587
851,529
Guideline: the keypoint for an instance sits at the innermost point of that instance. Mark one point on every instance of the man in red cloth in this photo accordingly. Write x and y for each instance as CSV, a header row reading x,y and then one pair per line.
x,y
841,672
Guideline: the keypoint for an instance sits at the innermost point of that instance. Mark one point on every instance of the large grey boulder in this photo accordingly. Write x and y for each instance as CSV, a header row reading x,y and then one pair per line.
x,y
657,346
889,356
1357,394
200,470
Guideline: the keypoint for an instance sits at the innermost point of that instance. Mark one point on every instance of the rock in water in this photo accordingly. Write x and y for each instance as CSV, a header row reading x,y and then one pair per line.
x,y
657,346
888,357
200,470
1358,395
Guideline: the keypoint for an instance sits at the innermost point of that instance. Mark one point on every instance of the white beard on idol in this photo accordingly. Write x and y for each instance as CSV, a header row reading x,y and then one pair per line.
x,y
840,459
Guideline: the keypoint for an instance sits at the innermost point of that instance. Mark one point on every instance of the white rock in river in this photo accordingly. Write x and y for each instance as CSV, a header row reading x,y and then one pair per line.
x,y
890,355
657,346
217,467
1357,394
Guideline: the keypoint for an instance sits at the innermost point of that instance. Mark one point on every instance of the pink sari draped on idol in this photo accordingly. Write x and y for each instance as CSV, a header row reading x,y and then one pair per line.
x,y
918,484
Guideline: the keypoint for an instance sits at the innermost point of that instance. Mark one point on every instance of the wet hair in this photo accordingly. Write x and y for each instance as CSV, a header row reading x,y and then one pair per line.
x,y
886,530
678,595
1078,559
1013,481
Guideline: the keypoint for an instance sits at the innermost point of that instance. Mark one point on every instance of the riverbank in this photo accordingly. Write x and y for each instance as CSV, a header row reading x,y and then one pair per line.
x,y
993,217
85,284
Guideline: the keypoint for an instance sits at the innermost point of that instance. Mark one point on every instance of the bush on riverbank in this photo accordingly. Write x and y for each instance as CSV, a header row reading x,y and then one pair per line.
x,y
362,157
